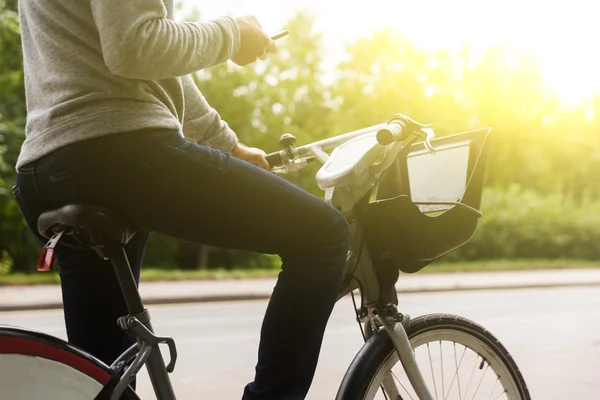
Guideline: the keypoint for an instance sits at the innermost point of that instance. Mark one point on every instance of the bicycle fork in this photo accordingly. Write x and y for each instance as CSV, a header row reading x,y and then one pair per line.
x,y
394,323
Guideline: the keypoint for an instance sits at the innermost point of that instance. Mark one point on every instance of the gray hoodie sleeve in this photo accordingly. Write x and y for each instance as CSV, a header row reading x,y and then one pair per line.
x,y
202,123
139,41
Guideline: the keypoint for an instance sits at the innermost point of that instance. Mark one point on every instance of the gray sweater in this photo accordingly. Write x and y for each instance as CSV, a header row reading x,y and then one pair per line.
x,y
99,67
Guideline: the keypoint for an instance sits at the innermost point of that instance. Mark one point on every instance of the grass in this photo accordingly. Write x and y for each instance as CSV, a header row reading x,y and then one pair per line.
x,y
508,265
154,274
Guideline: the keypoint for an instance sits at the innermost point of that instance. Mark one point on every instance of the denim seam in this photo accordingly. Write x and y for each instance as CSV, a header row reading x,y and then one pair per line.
x,y
34,168
25,170
37,186
178,151
47,163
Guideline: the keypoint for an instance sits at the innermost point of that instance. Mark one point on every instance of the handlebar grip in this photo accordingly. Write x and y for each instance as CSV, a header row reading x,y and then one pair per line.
x,y
274,159
392,132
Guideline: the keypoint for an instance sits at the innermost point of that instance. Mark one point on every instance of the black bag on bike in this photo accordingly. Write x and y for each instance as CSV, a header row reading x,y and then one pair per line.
x,y
427,205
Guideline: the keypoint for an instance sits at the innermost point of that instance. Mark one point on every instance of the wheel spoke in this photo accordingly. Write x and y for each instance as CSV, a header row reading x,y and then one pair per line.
x,y
472,374
456,374
499,395
442,367
398,380
432,374
494,388
481,380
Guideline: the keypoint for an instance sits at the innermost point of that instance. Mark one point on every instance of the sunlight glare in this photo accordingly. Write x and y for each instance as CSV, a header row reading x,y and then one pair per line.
x,y
561,35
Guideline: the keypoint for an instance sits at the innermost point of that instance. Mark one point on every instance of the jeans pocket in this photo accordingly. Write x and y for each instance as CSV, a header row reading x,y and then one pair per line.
x,y
70,165
17,193
120,180
28,211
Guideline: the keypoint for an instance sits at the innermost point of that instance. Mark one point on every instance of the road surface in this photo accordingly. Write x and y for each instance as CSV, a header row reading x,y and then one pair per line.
x,y
553,334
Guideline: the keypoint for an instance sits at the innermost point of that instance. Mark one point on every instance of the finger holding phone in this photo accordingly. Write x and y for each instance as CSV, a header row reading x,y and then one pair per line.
x,y
254,42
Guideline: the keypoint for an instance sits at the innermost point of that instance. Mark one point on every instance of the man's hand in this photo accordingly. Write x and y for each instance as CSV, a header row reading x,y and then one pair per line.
x,y
254,42
251,154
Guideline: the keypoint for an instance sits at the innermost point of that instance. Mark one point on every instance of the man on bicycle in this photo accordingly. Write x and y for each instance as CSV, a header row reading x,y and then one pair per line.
x,y
110,99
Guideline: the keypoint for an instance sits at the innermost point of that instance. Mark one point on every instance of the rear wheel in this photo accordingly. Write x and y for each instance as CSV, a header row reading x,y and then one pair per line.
x,y
458,359
39,366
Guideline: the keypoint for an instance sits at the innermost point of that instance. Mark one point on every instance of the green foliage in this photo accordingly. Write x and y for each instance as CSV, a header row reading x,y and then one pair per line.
x,y
522,223
541,200
538,143
16,243
6,263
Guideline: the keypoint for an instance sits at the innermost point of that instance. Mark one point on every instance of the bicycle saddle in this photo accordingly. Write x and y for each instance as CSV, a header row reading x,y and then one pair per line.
x,y
96,223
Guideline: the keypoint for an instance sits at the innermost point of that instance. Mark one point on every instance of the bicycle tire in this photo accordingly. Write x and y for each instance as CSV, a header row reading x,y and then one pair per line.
x,y
378,351
36,365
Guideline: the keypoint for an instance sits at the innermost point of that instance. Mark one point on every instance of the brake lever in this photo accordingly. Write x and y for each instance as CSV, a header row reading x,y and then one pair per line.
x,y
427,134
416,128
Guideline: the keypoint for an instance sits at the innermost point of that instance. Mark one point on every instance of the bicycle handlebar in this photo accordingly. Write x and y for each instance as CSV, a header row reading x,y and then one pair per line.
x,y
274,159
278,158
392,132
397,129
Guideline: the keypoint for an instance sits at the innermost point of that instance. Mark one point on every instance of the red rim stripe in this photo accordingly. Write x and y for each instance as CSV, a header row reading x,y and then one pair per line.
x,y
13,345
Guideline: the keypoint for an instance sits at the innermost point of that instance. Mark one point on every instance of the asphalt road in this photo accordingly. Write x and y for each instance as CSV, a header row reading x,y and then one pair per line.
x,y
553,334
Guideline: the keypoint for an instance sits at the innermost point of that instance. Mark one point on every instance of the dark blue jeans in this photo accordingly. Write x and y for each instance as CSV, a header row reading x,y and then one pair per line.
x,y
160,182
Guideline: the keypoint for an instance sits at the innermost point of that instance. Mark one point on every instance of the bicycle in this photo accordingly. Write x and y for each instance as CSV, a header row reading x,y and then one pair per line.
x,y
380,179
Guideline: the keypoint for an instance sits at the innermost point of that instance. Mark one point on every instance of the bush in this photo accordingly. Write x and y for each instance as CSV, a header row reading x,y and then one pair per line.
x,y
519,223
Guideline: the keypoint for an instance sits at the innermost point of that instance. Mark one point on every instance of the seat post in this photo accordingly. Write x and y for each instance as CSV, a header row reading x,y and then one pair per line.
x,y
122,269
155,363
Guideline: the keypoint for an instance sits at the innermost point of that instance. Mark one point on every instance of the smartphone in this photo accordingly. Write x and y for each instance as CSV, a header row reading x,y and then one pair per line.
x,y
279,35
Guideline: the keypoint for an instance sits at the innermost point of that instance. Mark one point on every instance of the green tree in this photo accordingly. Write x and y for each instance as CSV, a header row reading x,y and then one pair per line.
x,y
536,142
386,74
15,240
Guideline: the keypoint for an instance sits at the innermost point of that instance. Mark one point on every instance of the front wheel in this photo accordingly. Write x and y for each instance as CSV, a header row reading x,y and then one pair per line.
x,y
458,359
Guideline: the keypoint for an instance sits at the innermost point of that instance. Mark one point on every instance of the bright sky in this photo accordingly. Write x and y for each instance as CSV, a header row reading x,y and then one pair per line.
x,y
564,35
